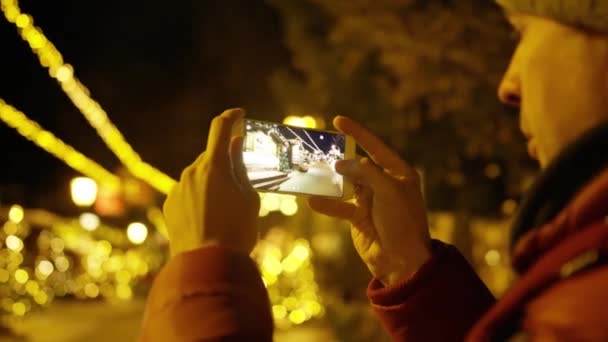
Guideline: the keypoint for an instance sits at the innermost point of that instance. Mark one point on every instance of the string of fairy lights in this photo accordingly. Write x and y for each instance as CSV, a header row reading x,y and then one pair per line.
x,y
87,259
50,58
32,131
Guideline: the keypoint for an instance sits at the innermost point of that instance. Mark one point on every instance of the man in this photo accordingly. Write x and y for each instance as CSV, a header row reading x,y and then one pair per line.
x,y
424,290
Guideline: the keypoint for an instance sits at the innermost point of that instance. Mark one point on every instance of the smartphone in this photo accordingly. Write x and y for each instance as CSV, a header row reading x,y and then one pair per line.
x,y
295,160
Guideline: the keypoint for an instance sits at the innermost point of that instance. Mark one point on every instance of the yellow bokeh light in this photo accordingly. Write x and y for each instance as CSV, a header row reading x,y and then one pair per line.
x,y
84,191
14,243
57,245
290,303
32,287
91,290
301,252
64,73
23,20
291,264
103,248
89,221
41,297
492,257
289,207
279,311
123,276
4,275
19,308
45,268
123,291
297,316
137,233
272,265
62,263
11,228
271,202
16,213
21,276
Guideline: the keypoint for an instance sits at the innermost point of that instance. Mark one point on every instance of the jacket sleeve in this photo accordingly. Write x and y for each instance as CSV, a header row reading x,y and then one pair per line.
x,y
209,294
440,302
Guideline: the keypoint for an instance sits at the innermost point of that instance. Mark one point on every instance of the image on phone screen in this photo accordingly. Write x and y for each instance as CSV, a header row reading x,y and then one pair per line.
x,y
291,159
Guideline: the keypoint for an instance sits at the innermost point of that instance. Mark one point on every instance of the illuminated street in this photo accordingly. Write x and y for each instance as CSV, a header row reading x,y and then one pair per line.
x,y
318,180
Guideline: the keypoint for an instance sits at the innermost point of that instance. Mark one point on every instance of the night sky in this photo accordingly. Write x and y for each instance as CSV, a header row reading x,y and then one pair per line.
x,y
161,70
324,144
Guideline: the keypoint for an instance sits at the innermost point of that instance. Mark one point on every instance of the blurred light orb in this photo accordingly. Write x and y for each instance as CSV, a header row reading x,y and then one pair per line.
x,y
137,233
492,257
14,243
21,276
271,202
91,290
279,311
62,263
289,207
301,252
45,268
84,191
65,73
297,316
89,221
19,308
16,214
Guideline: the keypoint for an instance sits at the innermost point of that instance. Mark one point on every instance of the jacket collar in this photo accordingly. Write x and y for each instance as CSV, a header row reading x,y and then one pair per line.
x,y
558,184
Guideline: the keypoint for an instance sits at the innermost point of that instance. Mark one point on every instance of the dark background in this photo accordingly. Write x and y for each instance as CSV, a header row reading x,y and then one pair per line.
x,y
160,69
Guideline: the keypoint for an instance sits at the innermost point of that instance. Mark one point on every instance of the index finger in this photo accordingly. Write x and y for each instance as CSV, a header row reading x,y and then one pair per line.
x,y
220,134
377,150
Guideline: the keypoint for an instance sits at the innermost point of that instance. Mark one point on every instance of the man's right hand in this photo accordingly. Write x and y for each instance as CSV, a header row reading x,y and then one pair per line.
x,y
388,216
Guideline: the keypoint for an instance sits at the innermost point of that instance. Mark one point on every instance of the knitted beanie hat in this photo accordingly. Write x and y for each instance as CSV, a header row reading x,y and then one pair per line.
x,y
589,14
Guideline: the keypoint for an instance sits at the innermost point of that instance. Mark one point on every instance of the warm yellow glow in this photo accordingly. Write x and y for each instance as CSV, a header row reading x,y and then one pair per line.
x,y
123,291
19,308
49,57
272,265
62,263
41,297
91,290
11,228
32,287
55,146
300,252
4,275
289,207
16,214
45,268
21,276
300,121
14,243
297,316
137,232
84,191
57,245
123,276
279,311
89,221
492,257
271,202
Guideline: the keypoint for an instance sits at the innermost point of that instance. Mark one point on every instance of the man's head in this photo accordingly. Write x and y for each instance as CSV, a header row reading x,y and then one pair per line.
x,y
559,72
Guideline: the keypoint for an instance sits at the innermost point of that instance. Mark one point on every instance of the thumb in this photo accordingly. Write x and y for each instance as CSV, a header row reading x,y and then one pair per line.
x,y
238,165
363,172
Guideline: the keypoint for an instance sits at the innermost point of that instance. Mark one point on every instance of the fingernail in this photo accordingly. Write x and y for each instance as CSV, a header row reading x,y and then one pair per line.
x,y
235,112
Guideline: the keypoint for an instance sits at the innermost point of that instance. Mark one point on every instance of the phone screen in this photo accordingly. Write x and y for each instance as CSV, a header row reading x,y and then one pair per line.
x,y
291,159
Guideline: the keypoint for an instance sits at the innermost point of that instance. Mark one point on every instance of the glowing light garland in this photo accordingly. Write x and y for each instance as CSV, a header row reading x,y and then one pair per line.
x,y
55,146
50,58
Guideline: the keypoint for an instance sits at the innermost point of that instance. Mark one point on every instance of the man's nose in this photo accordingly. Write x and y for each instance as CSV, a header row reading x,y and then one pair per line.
x,y
509,92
